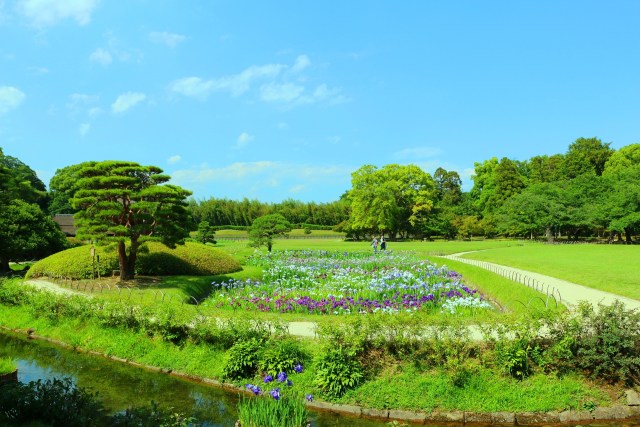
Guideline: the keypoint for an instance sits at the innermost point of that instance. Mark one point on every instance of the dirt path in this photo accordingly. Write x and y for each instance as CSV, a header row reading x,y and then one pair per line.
x,y
568,293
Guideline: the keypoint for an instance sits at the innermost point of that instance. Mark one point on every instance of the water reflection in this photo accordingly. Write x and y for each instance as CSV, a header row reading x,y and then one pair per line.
x,y
120,386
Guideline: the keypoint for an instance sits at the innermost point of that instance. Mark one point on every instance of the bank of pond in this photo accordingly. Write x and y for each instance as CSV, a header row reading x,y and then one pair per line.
x,y
120,387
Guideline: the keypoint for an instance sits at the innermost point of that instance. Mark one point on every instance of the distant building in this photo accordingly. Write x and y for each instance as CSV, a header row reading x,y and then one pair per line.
x,y
66,223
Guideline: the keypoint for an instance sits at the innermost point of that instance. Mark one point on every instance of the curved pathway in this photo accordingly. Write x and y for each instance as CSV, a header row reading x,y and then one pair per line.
x,y
568,293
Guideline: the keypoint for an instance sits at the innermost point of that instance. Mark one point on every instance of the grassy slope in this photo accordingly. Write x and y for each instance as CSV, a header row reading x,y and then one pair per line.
x,y
611,268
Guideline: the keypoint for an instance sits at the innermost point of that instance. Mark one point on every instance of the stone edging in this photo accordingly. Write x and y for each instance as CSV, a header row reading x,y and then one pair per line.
x,y
613,413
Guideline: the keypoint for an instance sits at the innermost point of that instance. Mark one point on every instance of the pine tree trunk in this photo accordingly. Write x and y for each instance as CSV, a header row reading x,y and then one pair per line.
x,y
122,259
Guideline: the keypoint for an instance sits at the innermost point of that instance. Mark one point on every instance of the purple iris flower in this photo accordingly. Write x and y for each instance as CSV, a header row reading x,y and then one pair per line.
x,y
309,397
298,368
268,379
282,377
275,393
289,383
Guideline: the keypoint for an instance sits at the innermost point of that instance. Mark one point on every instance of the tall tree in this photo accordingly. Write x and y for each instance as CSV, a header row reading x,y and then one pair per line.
x,y
129,203
624,158
25,231
266,228
62,188
394,199
586,155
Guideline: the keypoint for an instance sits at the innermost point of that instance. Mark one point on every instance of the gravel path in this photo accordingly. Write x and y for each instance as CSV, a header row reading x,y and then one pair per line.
x,y
568,293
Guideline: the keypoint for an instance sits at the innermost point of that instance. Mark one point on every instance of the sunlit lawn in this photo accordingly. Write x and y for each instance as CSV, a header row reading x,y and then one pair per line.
x,y
611,268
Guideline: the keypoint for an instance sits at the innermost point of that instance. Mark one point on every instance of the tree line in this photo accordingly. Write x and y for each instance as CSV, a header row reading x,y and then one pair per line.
x,y
591,190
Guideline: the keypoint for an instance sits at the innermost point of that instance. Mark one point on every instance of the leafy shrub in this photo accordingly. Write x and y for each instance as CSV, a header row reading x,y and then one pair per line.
x,y
242,360
281,356
337,370
189,259
608,344
514,358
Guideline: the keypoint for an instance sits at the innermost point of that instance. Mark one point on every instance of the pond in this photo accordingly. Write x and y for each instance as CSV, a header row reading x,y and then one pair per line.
x,y
120,386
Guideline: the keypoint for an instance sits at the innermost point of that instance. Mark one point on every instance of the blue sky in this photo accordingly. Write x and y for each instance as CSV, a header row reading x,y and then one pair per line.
x,y
285,99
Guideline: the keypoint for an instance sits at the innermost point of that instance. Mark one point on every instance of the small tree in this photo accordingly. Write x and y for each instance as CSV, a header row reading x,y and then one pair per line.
x,y
206,233
124,201
265,228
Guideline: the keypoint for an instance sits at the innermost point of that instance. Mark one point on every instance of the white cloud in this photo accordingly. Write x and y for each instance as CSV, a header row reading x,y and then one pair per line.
x,y
417,153
44,13
174,159
95,111
10,98
276,86
84,129
301,63
297,189
236,84
127,101
243,139
275,92
169,39
101,56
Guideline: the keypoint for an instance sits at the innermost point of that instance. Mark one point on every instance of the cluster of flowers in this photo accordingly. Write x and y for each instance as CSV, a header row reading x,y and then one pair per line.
x,y
324,282
275,393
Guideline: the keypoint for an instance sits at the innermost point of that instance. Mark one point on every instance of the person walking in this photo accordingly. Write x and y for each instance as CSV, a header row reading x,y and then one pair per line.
x,y
383,243
374,243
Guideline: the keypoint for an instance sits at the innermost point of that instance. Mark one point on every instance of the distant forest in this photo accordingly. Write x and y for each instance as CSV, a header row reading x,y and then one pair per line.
x,y
590,191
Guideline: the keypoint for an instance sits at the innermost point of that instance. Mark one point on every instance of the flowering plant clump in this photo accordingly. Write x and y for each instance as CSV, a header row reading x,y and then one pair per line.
x,y
322,282
279,409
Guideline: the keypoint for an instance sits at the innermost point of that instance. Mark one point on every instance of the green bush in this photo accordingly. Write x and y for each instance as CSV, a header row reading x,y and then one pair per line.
x,y
192,259
608,345
242,360
337,370
281,356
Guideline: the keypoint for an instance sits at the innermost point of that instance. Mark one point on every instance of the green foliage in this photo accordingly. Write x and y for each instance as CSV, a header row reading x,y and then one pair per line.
x,y
337,370
242,360
281,356
265,228
263,411
607,346
7,365
205,233
514,358
159,260
124,201
27,233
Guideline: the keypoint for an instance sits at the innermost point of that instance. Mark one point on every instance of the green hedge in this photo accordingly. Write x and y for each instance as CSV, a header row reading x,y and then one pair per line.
x,y
193,259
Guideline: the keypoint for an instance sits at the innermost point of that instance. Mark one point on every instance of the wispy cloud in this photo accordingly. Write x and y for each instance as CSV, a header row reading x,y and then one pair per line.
x,y
84,129
278,84
243,139
101,56
236,84
10,98
417,153
174,159
126,101
46,13
169,39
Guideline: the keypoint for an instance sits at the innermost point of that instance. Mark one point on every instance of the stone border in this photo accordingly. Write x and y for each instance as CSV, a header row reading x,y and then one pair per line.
x,y
628,412
9,377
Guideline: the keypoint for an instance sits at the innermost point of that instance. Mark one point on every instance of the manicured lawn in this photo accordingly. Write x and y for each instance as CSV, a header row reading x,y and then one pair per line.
x,y
611,268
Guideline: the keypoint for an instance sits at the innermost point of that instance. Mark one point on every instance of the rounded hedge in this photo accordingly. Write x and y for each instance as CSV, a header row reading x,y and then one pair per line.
x,y
192,259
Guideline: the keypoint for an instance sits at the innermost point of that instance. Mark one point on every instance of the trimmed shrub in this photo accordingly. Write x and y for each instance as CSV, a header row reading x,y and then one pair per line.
x,y
193,259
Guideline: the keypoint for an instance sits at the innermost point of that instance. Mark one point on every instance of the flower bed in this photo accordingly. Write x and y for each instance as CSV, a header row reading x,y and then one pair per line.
x,y
322,282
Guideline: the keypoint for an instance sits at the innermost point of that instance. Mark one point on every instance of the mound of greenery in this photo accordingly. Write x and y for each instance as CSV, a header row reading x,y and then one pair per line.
x,y
193,259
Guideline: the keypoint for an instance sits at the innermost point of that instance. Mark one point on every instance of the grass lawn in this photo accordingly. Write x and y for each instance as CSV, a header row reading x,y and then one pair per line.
x,y
611,268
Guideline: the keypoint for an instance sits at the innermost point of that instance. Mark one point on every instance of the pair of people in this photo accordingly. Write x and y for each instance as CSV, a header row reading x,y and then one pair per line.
x,y
383,244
